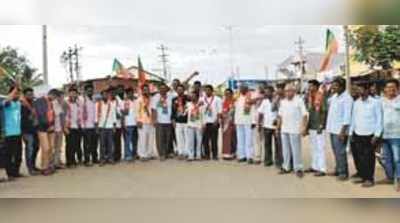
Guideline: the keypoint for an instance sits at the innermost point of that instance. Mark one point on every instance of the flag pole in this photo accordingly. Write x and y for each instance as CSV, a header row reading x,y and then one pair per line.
x,y
347,70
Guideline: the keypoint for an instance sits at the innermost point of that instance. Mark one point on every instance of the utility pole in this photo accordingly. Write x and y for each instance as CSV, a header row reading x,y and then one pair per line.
x,y
77,65
302,61
70,59
164,61
300,42
347,70
45,63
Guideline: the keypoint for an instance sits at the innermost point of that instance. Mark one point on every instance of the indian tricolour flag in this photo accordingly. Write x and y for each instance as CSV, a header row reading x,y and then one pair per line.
x,y
331,49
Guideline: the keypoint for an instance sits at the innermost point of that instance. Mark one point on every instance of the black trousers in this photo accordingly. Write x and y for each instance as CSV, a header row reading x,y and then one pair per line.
x,y
277,159
172,142
13,155
90,144
364,156
78,148
117,145
73,146
210,136
163,139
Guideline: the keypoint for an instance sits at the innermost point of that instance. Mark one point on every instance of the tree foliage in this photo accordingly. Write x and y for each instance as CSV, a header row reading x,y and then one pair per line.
x,y
377,46
13,64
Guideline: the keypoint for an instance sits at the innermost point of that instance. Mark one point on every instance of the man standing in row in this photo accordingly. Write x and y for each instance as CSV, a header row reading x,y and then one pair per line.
x,y
292,121
90,138
29,129
162,113
106,119
129,112
244,109
73,129
180,120
317,109
212,114
391,132
13,133
145,125
366,129
338,122
46,120
267,118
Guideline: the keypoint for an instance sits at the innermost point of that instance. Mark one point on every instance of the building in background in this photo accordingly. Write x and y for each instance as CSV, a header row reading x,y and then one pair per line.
x,y
291,69
129,81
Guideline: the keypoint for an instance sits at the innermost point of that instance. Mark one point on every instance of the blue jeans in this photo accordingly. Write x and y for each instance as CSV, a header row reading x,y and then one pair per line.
x,y
340,153
31,149
244,134
130,142
391,157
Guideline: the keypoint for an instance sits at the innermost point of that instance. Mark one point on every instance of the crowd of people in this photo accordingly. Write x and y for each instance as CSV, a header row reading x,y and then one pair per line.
x,y
263,126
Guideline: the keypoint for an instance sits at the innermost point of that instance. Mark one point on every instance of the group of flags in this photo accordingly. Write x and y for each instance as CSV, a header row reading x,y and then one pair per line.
x,y
120,71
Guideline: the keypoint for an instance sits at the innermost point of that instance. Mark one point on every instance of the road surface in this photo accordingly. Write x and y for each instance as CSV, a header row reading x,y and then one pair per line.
x,y
180,180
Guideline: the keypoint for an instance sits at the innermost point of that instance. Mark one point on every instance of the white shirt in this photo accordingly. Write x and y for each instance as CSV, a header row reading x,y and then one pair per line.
x,y
74,114
339,114
164,115
367,117
391,118
106,116
241,116
292,113
269,116
195,122
212,108
172,93
58,112
90,111
130,118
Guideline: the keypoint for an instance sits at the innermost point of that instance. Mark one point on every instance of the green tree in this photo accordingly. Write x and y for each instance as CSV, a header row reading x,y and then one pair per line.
x,y
12,65
376,45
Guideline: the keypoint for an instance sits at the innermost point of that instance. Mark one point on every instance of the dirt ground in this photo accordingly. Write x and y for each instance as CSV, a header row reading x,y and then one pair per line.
x,y
181,180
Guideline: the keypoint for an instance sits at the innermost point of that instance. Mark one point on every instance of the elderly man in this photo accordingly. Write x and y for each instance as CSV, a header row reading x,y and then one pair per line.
x,y
244,115
292,119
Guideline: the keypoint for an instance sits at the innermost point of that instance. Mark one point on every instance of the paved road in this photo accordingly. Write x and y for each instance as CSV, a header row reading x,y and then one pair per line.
x,y
180,180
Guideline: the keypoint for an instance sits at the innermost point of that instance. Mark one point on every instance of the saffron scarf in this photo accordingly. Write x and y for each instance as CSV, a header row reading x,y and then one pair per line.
x,y
227,105
315,100
195,112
